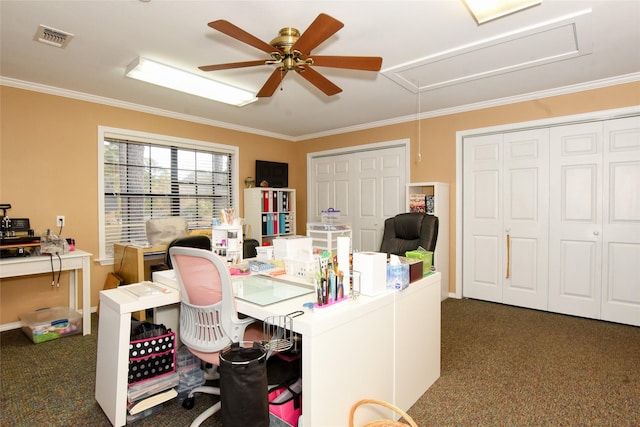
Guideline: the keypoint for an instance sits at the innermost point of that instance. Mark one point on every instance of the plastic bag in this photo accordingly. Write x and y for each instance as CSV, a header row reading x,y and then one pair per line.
x,y
53,244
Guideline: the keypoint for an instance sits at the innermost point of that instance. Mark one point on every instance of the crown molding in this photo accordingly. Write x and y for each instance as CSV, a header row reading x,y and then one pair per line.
x,y
581,87
565,90
52,90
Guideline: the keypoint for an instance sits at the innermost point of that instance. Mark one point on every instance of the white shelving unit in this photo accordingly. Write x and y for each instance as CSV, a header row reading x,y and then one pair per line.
x,y
226,241
326,237
437,203
269,213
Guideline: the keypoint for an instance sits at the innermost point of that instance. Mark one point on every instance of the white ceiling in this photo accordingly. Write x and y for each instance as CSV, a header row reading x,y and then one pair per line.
x,y
435,45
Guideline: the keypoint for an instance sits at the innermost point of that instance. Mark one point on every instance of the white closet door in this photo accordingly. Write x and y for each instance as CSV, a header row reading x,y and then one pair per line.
x,y
621,222
506,218
526,218
378,179
367,187
483,239
575,249
331,187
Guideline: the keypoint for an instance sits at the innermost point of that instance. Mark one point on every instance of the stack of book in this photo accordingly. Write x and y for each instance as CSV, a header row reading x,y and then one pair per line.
x,y
421,203
417,203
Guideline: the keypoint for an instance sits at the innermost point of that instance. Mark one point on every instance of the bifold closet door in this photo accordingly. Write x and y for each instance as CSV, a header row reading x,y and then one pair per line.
x,y
595,220
506,190
366,186
575,249
621,221
483,240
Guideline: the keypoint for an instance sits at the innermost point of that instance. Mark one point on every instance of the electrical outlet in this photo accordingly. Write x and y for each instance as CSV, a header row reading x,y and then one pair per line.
x,y
60,221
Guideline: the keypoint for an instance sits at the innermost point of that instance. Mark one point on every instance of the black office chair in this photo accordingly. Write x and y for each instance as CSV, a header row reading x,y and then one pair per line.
x,y
408,231
197,241
249,248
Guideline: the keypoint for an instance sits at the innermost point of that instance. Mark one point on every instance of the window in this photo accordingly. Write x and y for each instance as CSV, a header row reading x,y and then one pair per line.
x,y
145,176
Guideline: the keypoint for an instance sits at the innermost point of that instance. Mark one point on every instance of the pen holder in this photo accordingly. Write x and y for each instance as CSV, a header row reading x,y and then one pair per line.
x,y
318,307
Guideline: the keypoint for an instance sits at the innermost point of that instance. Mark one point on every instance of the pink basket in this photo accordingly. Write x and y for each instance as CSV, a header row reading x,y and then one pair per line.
x,y
151,357
285,402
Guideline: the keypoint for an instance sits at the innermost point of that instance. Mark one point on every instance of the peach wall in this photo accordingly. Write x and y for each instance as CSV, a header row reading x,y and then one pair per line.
x,y
48,167
438,137
48,162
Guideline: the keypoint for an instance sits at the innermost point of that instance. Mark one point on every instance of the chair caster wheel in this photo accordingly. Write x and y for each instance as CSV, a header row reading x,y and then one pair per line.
x,y
188,403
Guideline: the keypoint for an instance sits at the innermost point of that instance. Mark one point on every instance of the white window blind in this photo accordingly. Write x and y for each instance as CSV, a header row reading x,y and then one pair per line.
x,y
142,180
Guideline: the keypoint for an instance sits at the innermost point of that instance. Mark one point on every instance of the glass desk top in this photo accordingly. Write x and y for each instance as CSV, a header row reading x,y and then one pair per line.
x,y
265,290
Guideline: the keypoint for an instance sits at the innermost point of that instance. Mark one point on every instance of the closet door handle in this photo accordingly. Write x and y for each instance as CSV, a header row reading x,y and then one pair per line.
x,y
508,257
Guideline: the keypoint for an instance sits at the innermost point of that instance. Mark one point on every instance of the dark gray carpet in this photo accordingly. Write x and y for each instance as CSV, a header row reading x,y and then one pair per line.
x,y
501,366
508,366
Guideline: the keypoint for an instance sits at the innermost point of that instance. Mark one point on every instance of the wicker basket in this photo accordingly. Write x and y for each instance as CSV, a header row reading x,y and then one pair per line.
x,y
382,423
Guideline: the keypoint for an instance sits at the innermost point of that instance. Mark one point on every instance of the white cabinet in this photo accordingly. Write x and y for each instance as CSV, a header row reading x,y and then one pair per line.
x,y
326,237
437,203
269,213
551,219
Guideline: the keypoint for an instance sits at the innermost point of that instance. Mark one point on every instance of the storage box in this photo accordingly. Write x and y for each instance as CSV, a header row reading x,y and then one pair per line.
x,y
415,268
264,253
290,247
285,404
152,357
51,323
425,256
372,267
305,267
330,216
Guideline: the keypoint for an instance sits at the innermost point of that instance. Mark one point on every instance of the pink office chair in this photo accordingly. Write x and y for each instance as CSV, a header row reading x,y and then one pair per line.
x,y
209,321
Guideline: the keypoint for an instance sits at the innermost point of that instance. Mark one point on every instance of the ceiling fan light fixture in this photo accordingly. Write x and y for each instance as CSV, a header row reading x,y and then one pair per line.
x,y
173,78
487,10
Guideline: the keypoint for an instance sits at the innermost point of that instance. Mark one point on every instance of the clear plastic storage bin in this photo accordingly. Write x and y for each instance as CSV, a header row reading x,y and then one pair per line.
x,y
330,216
51,323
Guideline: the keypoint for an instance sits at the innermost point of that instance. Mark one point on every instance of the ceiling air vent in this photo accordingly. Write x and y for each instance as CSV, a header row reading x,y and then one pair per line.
x,y
52,37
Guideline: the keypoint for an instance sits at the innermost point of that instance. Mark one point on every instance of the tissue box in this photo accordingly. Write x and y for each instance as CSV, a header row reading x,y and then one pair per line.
x,y
425,256
372,267
289,247
397,276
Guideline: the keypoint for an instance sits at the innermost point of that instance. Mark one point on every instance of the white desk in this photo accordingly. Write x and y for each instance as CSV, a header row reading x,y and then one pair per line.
x,y
385,347
72,262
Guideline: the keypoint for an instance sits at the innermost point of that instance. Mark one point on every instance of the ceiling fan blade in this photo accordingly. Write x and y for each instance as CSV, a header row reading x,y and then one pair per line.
x,y
232,65
323,27
367,63
238,33
272,83
318,80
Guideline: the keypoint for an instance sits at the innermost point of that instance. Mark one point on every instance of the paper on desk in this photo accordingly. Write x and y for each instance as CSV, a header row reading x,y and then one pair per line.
x,y
146,289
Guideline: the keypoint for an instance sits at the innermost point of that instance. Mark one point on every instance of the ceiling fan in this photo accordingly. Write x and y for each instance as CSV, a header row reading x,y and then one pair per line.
x,y
292,51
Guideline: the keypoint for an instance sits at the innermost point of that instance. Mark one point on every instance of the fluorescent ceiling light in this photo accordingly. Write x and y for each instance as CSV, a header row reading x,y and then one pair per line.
x,y
486,10
173,78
